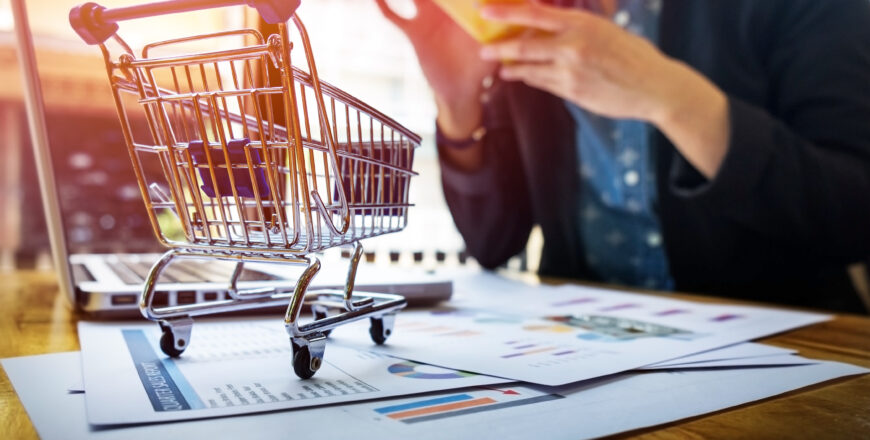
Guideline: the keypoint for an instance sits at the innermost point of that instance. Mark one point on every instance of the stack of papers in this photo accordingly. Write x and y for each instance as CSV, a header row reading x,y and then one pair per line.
x,y
232,367
504,359
560,335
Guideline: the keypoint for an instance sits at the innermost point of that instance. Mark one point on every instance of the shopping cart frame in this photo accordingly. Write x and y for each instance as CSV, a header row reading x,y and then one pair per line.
x,y
97,24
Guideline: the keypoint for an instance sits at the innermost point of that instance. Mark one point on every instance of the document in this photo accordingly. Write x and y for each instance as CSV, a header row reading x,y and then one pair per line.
x,y
559,335
736,352
739,355
234,367
626,402
758,361
747,354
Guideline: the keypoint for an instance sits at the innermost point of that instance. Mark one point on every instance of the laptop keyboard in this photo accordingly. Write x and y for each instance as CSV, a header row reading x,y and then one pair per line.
x,y
134,270
123,272
81,273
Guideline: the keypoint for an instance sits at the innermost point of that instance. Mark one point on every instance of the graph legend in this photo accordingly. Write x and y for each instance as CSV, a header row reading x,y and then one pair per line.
x,y
671,312
526,349
726,317
619,307
573,302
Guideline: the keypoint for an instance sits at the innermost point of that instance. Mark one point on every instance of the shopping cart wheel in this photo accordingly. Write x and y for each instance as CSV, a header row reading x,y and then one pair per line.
x,y
380,330
302,363
308,356
167,344
176,335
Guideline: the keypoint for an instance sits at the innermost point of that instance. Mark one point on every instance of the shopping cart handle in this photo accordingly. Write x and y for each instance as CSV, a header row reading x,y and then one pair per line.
x,y
96,24
274,11
84,22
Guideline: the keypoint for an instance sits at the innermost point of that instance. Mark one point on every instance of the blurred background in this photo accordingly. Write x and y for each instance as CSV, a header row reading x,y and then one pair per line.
x,y
356,49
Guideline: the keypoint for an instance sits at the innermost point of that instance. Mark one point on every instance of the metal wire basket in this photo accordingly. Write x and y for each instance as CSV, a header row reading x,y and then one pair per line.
x,y
258,161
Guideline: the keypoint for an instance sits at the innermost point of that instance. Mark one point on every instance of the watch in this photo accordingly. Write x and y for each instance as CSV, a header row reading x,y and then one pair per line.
x,y
459,144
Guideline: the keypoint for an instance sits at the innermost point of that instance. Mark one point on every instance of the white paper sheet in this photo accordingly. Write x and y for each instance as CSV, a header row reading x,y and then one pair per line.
x,y
737,351
741,355
559,335
756,361
603,407
234,367
745,354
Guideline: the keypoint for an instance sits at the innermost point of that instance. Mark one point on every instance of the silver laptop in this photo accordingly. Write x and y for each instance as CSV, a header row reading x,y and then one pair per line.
x,y
110,284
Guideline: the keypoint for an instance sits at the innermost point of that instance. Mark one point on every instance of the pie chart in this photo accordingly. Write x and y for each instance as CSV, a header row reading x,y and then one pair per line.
x,y
421,371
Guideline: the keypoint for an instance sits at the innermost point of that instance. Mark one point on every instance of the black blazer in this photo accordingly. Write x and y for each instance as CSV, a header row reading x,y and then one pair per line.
x,y
790,206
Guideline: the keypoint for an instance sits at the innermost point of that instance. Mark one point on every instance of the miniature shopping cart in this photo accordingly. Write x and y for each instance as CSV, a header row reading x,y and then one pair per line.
x,y
240,156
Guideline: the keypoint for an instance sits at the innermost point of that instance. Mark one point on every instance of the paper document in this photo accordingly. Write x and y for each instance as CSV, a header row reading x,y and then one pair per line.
x,y
746,354
745,350
603,407
555,336
234,367
757,361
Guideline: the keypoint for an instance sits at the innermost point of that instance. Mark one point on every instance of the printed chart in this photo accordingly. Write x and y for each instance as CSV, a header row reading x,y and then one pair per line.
x,y
651,308
413,411
556,336
235,367
416,370
586,410
169,389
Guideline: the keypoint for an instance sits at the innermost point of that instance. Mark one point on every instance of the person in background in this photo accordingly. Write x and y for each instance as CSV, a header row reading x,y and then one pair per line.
x,y
703,146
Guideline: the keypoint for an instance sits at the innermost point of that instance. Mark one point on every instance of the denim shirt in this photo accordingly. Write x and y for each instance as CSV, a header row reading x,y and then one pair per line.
x,y
618,223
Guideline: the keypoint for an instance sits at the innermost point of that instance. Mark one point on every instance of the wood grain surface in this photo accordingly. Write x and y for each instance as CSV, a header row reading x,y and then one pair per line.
x,y
35,319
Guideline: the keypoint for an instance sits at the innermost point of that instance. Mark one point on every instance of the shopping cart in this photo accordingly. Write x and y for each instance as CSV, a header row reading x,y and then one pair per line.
x,y
257,160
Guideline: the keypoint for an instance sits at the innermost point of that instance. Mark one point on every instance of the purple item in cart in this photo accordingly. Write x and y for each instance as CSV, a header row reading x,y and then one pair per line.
x,y
241,175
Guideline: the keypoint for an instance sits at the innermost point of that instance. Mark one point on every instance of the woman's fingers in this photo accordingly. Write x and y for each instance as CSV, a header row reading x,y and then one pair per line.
x,y
535,49
541,76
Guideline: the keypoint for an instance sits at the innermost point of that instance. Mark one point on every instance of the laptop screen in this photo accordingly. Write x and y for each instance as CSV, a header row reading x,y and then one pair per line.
x,y
100,202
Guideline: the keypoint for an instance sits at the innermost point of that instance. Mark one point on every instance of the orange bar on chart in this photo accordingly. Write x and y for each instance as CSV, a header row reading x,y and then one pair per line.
x,y
441,408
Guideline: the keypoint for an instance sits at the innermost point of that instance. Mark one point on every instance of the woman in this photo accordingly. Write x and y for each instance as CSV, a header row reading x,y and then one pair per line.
x,y
718,147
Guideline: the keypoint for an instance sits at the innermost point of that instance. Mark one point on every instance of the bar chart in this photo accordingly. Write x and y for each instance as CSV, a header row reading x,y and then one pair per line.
x,y
460,404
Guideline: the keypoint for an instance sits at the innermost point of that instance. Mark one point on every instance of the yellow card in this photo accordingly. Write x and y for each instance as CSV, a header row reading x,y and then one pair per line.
x,y
466,13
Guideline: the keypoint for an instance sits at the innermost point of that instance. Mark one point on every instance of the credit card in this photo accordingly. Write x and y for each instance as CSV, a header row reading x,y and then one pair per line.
x,y
466,13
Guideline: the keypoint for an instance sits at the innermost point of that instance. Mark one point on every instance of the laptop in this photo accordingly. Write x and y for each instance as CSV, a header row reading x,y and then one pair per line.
x,y
108,285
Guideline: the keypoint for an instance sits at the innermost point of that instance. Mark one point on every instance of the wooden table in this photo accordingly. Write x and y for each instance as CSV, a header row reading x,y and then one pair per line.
x,y
35,319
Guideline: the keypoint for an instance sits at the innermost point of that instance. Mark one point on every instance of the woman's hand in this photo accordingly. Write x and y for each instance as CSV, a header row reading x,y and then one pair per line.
x,y
592,62
450,60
